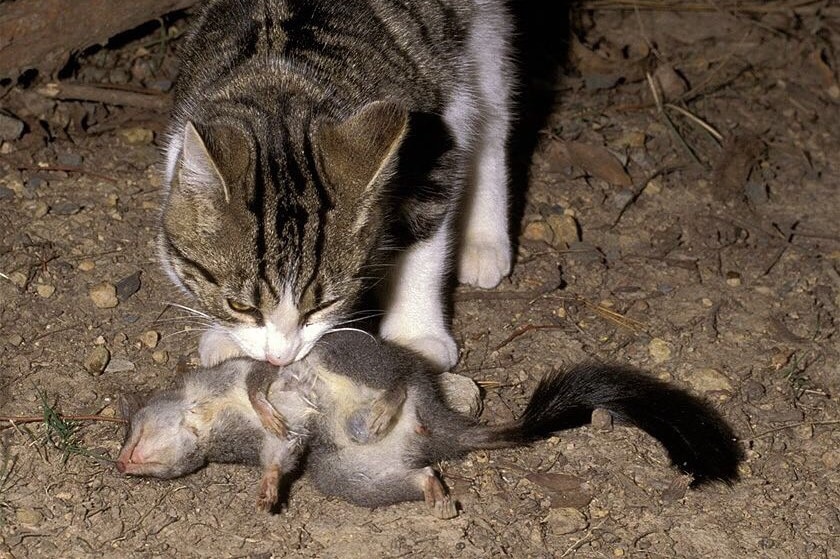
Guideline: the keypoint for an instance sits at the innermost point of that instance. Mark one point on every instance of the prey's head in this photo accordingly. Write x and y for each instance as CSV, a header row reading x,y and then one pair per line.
x,y
164,436
269,222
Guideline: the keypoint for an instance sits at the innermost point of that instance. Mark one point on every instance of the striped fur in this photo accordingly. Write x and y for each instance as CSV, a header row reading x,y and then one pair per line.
x,y
310,140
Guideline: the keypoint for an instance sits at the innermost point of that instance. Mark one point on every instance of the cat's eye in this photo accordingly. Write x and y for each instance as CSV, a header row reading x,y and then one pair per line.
x,y
320,308
241,307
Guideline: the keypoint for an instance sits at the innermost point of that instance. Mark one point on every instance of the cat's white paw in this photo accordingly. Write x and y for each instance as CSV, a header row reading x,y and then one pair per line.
x,y
438,347
216,346
484,262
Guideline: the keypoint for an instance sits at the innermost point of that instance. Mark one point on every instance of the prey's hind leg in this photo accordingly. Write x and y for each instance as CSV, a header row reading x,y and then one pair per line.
x,y
435,494
369,424
269,488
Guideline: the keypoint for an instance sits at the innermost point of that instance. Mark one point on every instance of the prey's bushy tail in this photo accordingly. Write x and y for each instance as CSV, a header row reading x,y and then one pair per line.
x,y
696,438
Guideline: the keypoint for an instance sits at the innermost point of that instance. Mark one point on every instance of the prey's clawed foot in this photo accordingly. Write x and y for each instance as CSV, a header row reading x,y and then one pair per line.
x,y
268,492
436,497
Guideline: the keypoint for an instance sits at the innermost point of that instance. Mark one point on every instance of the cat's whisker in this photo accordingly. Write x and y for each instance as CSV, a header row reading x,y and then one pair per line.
x,y
190,310
372,337
185,331
360,319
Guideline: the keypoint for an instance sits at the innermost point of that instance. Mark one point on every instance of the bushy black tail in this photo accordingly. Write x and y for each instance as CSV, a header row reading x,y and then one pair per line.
x,y
697,440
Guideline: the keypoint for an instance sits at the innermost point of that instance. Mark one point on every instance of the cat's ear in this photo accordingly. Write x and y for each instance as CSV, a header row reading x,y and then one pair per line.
x,y
197,169
213,159
357,150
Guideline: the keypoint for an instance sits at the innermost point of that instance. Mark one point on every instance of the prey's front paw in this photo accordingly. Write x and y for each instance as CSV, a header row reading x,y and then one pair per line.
x,y
216,346
484,261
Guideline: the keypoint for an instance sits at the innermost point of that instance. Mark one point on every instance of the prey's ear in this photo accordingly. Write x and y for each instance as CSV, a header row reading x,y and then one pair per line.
x,y
212,159
355,152
129,404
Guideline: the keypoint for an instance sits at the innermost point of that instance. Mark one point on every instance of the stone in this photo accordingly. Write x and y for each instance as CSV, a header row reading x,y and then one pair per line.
x,y
128,286
40,209
733,279
565,520
709,380
28,516
6,193
831,459
19,279
672,84
97,360
659,350
14,339
119,366
136,135
104,295
87,265
45,290
602,419
565,230
11,128
461,394
70,160
161,357
538,231
66,208
622,198
150,339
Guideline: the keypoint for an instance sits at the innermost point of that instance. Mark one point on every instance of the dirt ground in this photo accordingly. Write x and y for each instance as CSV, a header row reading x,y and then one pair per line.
x,y
692,233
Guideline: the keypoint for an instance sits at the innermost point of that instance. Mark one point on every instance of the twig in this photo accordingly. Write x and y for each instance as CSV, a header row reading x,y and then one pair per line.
x,y
68,169
702,123
525,329
669,124
108,95
791,426
13,419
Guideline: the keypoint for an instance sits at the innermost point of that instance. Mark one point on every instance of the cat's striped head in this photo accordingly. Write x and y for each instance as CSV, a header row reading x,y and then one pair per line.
x,y
269,224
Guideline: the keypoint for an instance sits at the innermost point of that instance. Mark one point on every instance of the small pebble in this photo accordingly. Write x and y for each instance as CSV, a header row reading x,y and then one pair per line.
x,y
70,160
150,339
706,302
19,279
87,265
538,231
160,357
602,419
45,290
565,230
66,208
733,279
659,350
831,459
136,135
28,516
565,520
14,339
461,394
40,209
753,390
11,128
97,360
622,198
104,295
119,366
128,286
6,193
709,380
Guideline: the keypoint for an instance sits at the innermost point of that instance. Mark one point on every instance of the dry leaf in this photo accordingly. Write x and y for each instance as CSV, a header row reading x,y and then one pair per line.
x,y
598,162
566,490
740,154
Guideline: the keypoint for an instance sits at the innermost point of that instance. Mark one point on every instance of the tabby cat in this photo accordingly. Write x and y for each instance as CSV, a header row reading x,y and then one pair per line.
x,y
316,143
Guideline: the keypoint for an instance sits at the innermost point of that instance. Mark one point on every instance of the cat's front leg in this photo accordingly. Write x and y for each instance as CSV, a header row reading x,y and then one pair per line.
x,y
414,317
216,346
